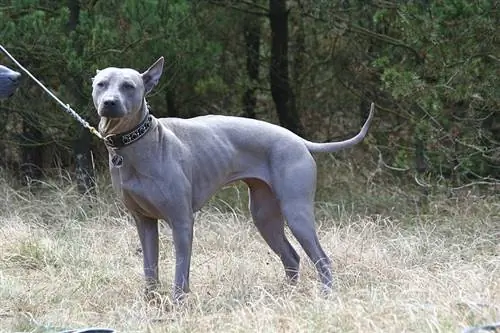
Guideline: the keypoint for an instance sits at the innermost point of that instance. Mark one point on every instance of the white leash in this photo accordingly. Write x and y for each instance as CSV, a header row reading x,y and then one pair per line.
x,y
66,107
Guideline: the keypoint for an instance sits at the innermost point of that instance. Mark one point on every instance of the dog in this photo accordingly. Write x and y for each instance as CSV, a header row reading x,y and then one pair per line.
x,y
9,81
167,168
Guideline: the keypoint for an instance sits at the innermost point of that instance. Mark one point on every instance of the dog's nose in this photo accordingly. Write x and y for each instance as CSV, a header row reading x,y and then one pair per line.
x,y
111,106
109,102
15,76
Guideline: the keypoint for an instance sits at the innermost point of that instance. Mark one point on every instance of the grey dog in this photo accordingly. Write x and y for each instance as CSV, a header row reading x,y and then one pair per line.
x,y
9,80
168,168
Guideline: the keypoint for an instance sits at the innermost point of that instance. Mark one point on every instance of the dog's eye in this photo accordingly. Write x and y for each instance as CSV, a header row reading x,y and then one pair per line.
x,y
100,84
128,86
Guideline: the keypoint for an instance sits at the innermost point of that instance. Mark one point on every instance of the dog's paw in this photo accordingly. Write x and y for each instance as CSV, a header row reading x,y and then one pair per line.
x,y
179,296
154,297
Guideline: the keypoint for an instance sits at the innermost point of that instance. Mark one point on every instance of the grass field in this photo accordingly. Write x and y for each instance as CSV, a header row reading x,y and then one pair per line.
x,y
67,261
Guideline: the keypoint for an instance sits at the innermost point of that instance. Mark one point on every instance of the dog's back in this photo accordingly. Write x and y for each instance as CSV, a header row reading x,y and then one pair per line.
x,y
243,132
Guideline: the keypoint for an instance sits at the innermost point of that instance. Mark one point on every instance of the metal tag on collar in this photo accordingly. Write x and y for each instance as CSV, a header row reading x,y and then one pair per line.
x,y
117,161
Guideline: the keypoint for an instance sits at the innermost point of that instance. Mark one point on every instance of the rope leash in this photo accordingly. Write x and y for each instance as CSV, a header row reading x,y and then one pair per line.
x,y
66,107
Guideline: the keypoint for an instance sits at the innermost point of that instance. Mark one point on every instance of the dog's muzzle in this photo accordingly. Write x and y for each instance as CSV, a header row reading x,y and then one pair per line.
x,y
111,108
9,81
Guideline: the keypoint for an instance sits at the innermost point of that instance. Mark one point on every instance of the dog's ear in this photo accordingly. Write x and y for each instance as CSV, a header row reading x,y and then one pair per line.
x,y
152,75
96,72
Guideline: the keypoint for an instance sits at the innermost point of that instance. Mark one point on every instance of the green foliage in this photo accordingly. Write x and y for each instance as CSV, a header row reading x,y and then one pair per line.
x,y
448,83
433,64
108,33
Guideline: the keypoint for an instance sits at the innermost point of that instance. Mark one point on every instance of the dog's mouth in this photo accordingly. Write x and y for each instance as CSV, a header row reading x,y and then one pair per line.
x,y
6,92
14,80
111,111
111,114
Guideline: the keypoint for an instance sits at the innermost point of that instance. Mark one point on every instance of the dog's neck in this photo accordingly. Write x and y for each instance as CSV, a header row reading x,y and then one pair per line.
x,y
113,126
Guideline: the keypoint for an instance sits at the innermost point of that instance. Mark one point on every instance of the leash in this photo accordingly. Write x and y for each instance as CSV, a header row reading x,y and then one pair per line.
x,y
66,107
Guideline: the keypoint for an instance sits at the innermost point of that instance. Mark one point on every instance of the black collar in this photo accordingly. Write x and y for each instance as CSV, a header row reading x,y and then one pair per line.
x,y
124,139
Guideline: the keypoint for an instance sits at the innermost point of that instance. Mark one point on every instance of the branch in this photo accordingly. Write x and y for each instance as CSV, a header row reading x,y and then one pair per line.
x,y
350,27
494,182
479,55
246,11
421,183
255,5
134,43
382,162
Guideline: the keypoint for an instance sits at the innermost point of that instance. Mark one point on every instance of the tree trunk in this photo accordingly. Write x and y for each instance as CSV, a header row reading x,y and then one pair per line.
x,y
84,170
299,51
172,110
281,91
252,32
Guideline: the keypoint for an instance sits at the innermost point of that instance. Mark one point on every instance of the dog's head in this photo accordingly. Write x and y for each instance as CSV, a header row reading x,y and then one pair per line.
x,y
9,80
120,92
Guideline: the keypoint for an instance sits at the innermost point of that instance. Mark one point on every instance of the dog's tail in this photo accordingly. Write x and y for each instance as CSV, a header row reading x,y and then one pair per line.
x,y
331,147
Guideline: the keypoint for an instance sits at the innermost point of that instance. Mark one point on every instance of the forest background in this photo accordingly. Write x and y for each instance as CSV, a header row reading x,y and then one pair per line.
x,y
410,217
314,67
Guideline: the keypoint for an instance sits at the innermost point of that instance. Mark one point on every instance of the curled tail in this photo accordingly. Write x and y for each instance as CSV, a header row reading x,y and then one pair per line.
x,y
331,147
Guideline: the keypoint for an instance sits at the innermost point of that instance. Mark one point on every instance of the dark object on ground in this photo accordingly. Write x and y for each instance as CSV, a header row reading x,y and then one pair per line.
x,y
91,330
483,329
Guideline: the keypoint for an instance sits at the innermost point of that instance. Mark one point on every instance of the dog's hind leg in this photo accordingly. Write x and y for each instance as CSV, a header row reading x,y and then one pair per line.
x,y
268,219
295,186
300,219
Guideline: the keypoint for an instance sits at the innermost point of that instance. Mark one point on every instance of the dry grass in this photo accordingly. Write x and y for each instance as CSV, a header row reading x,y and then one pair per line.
x,y
69,262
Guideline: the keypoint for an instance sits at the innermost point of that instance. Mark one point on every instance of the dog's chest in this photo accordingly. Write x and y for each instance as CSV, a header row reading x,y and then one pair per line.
x,y
136,192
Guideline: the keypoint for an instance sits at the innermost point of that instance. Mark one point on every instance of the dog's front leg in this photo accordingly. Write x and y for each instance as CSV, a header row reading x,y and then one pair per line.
x,y
148,235
182,232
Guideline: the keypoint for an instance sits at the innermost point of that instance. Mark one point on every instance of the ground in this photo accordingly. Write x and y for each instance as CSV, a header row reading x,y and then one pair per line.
x,y
67,261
